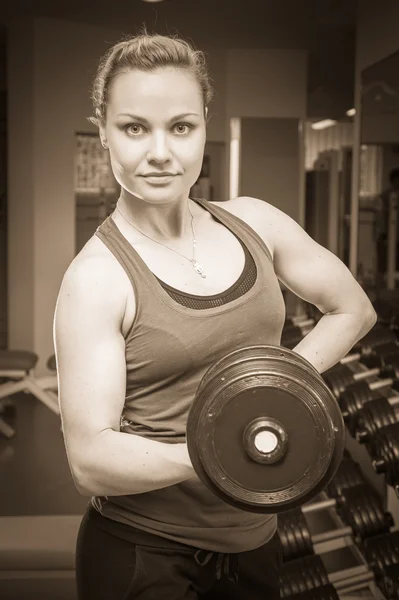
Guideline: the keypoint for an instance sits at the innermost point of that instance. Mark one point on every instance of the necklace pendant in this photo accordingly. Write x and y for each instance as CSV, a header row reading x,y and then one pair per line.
x,y
198,268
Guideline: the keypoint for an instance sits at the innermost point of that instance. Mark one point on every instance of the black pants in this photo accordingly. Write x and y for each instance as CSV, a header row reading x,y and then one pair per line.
x,y
111,566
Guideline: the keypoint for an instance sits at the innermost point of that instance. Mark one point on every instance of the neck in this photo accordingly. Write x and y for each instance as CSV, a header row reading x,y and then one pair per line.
x,y
163,222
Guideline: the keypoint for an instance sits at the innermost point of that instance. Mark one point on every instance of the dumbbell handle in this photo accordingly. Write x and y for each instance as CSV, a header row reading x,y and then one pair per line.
x,y
342,580
381,383
316,506
369,373
328,536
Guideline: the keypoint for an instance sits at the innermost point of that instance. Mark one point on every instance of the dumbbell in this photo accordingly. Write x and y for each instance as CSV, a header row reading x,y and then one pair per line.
x,y
356,397
382,553
378,335
371,353
343,379
382,550
325,592
309,573
374,415
384,449
359,507
348,475
389,582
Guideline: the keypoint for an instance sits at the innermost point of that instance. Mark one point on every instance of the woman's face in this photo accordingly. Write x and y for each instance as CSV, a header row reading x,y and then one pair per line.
x,y
155,131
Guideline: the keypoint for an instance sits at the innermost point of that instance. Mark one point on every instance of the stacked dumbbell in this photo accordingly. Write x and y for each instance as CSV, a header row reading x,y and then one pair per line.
x,y
371,407
360,509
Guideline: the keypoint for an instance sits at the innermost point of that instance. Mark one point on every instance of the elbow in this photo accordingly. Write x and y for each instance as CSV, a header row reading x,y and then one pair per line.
x,y
84,482
369,319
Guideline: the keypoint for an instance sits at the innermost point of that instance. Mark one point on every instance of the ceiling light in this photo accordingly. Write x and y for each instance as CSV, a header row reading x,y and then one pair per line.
x,y
323,124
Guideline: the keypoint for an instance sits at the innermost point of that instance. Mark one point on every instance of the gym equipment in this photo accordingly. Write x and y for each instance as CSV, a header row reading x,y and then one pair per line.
x,y
384,448
359,507
374,415
264,432
381,551
325,592
390,582
309,573
16,369
341,377
371,352
378,335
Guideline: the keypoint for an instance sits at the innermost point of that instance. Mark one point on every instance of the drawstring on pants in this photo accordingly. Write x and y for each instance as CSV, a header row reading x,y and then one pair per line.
x,y
223,563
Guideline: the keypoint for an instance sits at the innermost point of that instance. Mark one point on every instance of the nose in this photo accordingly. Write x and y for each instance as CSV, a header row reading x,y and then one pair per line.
x,y
159,150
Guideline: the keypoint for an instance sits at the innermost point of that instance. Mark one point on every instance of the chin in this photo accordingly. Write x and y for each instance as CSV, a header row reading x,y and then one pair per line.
x,y
157,195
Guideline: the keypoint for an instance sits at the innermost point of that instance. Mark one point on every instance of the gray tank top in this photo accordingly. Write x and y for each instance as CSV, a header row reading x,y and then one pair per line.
x,y
168,350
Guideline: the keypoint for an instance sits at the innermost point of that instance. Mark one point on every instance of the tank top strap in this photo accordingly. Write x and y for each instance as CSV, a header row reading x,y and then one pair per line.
x,y
240,228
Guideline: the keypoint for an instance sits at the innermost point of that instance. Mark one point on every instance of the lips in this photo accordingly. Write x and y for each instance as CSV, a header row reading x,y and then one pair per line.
x,y
164,174
159,179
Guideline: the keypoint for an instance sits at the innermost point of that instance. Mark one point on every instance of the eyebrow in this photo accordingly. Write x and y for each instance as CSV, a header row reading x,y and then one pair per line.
x,y
143,120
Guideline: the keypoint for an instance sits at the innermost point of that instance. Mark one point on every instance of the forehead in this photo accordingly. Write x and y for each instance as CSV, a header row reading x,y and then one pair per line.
x,y
167,90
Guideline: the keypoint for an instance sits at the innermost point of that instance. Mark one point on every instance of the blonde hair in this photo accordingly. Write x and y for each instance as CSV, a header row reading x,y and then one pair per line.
x,y
147,52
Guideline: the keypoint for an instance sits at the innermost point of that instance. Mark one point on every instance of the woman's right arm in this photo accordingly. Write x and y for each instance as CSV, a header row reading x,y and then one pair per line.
x,y
90,351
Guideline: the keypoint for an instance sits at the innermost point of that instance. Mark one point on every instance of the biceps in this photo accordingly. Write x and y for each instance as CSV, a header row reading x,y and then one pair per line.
x,y
316,275
92,377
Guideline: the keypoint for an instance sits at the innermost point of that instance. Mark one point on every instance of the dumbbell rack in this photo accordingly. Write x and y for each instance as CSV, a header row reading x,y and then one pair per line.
x,y
360,454
368,589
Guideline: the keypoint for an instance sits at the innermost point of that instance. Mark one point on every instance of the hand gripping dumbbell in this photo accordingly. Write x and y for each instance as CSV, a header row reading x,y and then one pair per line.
x,y
343,379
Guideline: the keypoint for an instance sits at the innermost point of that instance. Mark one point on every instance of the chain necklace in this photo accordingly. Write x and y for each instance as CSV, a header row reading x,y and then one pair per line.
x,y
196,265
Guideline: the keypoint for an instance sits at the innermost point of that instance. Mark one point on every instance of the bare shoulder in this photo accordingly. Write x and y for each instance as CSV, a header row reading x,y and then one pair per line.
x,y
95,279
264,218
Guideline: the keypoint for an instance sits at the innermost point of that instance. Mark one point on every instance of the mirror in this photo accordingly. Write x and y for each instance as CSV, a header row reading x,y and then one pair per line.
x,y
378,241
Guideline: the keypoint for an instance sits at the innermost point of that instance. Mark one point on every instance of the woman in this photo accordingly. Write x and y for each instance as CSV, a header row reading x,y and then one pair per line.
x,y
167,286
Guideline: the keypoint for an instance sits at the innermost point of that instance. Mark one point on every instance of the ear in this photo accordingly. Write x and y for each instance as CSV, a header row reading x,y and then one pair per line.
x,y
101,128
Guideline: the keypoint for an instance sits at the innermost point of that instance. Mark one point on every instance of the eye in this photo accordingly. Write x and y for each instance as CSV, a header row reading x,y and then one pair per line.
x,y
134,129
183,128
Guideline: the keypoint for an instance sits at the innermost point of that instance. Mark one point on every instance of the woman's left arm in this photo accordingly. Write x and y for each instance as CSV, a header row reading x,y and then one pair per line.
x,y
317,276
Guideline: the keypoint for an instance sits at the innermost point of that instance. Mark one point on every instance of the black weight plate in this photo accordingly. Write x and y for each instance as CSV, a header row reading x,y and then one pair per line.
x,y
391,582
338,378
327,592
348,475
257,383
382,550
377,336
384,446
352,400
302,574
372,417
